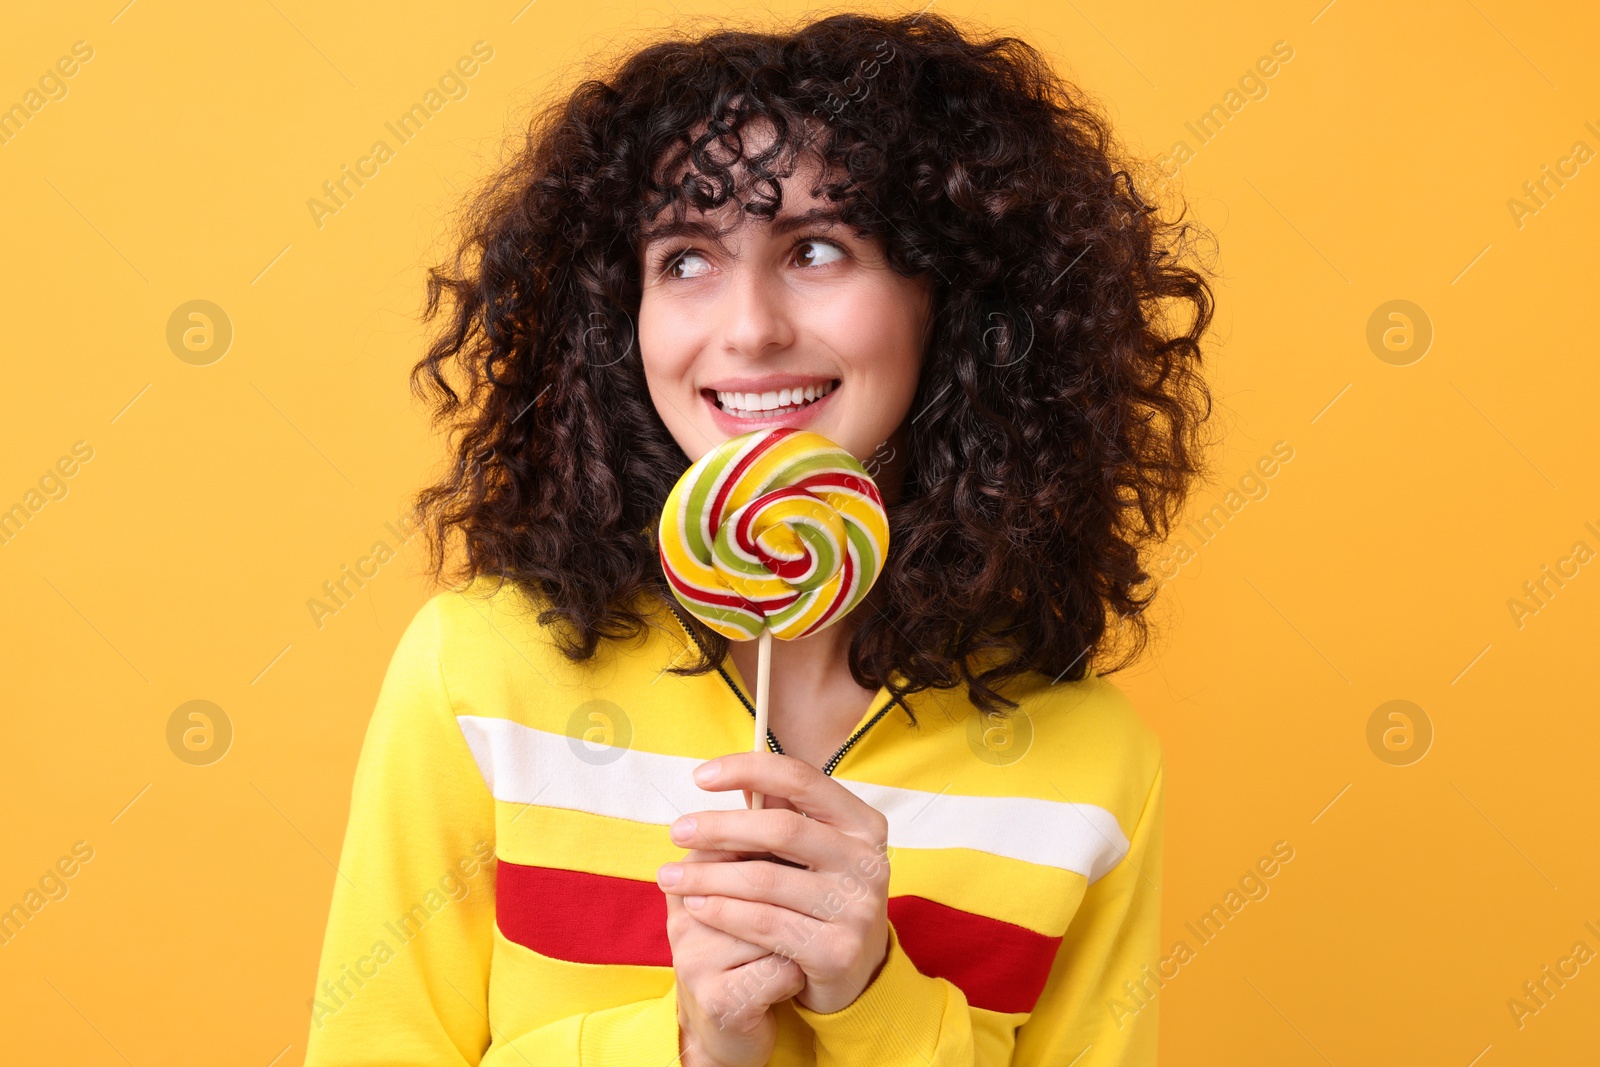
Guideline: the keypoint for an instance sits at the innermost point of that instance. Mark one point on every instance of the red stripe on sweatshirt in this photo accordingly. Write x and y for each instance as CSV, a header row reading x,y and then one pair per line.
x,y
582,917
596,918
998,965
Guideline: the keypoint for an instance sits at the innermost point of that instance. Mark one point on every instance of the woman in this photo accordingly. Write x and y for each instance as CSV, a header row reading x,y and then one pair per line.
x,y
920,246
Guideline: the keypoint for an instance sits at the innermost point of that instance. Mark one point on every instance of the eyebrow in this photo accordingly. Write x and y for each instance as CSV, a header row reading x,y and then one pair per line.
x,y
783,224
817,216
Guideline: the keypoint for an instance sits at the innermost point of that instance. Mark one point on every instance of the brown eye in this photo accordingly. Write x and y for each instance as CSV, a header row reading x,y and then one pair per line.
x,y
815,253
679,267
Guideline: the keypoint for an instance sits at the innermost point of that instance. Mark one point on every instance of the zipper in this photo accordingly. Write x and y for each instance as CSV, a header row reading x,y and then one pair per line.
x,y
772,739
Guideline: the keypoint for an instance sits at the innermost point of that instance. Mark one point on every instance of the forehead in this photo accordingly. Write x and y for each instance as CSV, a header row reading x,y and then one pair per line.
x,y
796,168
801,208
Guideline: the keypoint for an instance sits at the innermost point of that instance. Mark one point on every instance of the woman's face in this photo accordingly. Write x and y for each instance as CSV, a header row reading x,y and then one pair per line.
x,y
793,322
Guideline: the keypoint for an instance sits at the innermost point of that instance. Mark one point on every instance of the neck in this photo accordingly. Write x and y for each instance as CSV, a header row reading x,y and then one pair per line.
x,y
802,667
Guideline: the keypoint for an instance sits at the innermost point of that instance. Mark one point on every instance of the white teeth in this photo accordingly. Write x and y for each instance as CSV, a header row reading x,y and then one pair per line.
x,y
773,402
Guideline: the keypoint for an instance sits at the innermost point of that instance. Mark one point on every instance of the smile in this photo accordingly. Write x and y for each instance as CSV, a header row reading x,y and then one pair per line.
x,y
772,404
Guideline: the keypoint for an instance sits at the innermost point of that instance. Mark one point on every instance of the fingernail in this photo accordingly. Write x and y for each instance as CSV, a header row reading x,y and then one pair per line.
x,y
707,773
670,874
683,829
694,903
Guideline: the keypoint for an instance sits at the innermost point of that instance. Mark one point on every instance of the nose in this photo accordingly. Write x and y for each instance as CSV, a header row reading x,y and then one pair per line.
x,y
755,314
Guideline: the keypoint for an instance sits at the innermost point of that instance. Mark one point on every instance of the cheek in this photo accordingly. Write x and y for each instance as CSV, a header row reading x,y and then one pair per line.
x,y
666,343
878,330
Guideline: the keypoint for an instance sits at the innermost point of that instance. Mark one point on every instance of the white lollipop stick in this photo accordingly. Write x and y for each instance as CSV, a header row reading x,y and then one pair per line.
x,y
763,687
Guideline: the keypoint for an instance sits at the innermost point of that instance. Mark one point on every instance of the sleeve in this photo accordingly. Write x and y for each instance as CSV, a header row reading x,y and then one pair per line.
x,y
404,975
1100,1000
1085,1016
644,1032
902,1018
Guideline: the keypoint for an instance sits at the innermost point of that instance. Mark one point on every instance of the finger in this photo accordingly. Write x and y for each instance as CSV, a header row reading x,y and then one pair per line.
x,y
778,930
768,800
744,993
718,949
804,786
786,834
710,855
772,883
736,1000
721,855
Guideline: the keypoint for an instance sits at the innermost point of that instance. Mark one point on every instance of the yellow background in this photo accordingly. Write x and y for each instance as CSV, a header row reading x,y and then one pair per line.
x,y
1379,566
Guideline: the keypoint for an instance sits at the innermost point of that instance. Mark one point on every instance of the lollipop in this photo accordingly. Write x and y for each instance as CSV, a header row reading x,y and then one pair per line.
x,y
774,533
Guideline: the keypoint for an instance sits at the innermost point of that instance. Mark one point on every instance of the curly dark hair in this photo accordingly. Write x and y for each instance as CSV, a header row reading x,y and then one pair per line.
x,y
1059,415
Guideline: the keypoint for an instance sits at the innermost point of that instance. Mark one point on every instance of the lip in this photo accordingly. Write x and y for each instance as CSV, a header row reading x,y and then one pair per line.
x,y
733,425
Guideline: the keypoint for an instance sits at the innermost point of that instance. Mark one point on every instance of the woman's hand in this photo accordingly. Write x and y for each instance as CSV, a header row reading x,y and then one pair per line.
x,y
726,989
825,908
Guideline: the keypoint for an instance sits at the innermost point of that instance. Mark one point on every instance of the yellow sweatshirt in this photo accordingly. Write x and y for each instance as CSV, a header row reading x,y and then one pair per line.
x,y
496,902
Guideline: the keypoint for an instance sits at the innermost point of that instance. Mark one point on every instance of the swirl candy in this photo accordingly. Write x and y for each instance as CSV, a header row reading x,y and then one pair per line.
x,y
775,531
